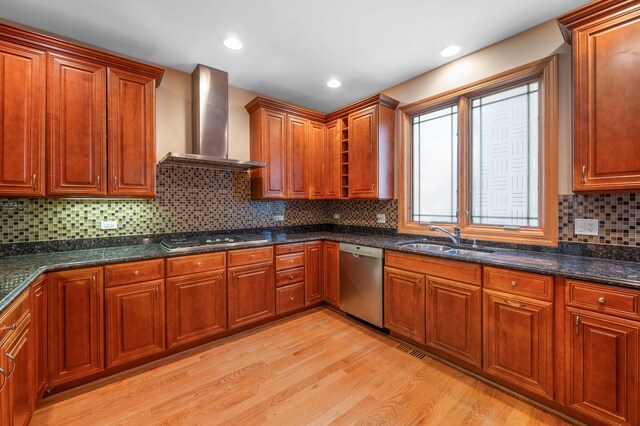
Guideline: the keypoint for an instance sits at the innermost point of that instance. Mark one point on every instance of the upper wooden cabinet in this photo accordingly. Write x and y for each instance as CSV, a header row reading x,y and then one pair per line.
x,y
87,95
22,108
351,156
606,89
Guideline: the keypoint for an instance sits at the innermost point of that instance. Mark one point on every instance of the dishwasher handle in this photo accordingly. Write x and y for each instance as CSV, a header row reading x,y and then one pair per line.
x,y
358,251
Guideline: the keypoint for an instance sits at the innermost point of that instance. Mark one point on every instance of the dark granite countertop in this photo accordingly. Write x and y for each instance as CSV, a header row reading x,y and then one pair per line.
x,y
18,272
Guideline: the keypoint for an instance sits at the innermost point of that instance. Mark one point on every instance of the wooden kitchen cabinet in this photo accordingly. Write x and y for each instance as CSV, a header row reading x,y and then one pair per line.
x,y
404,304
332,161
251,294
313,273
196,307
22,140
297,137
132,138
316,161
76,324
38,297
331,272
606,95
454,320
76,127
135,322
518,341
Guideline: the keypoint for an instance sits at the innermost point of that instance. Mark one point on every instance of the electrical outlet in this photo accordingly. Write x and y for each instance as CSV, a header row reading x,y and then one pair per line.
x,y
278,217
336,215
109,224
381,217
586,227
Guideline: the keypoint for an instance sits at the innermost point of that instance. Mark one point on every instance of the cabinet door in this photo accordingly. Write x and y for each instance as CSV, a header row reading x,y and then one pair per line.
x,y
18,394
602,366
22,111
135,324
39,326
518,341
76,127
363,153
132,139
316,167
331,177
76,324
252,293
331,272
296,157
454,320
196,307
313,273
273,140
404,304
607,104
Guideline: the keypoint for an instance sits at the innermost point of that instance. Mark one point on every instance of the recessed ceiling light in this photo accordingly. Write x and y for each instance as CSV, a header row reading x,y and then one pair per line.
x,y
450,51
333,83
232,43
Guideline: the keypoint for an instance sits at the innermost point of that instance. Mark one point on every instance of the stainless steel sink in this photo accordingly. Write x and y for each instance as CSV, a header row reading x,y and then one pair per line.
x,y
437,248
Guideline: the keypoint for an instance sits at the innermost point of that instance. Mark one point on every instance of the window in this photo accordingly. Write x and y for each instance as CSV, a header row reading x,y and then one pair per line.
x,y
488,151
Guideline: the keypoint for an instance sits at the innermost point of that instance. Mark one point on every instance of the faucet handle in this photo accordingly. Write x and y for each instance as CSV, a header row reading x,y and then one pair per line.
x,y
456,230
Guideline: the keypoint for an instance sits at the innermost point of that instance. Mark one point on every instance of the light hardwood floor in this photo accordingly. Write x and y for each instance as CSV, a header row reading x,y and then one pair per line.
x,y
314,368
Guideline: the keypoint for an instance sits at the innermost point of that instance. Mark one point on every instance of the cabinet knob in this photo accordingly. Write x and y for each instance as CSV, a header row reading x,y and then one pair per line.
x,y
291,261
98,181
136,273
290,277
291,298
253,256
513,283
602,300
198,264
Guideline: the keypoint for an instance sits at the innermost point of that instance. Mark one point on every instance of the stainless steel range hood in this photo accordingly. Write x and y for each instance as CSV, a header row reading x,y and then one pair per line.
x,y
210,118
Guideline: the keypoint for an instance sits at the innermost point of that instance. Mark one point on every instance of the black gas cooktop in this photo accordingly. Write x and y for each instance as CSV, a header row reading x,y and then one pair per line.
x,y
173,244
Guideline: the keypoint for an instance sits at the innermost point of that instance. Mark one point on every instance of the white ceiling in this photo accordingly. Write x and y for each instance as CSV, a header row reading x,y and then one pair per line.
x,y
292,47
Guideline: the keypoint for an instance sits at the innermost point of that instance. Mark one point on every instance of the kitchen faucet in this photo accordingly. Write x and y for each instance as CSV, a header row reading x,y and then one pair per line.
x,y
455,237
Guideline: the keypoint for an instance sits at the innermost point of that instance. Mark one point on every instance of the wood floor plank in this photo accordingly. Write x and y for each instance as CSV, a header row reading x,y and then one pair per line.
x,y
313,368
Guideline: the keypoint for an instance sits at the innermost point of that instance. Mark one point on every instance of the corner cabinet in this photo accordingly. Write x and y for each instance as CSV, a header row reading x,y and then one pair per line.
x,y
606,87
98,138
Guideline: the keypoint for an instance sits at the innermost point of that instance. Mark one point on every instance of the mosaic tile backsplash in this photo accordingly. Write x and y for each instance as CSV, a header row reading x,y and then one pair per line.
x,y
190,199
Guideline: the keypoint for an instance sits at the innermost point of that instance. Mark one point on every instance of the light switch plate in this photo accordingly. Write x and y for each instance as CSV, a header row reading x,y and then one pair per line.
x,y
586,227
278,217
381,217
109,224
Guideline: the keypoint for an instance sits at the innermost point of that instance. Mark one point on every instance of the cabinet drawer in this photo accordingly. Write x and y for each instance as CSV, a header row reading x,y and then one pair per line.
x,y
133,272
289,261
250,256
195,264
290,276
289,298
600,298
469,273
10,318
521,283
289,248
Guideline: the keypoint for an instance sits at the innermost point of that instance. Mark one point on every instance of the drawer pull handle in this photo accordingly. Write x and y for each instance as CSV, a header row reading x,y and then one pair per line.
x,y
513,283
33,181
577,325
516,304
136,273
253,256
157,291
221,281
290,248
13,365
4,380
291,261
584,172
602,300
8,327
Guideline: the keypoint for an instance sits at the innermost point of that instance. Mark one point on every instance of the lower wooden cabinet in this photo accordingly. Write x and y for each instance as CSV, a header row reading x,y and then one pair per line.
x,y
518,341
16,359
313,273
331,272
38,296
404,304
196,307
251,294
76,324
602,366
135,326
290,298
454,320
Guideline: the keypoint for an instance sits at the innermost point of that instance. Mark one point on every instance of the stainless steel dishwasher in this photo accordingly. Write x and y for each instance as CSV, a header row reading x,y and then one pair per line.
x,y
361,282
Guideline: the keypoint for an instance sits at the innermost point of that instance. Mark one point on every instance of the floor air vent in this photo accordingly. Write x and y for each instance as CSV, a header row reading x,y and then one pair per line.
x,y
413,352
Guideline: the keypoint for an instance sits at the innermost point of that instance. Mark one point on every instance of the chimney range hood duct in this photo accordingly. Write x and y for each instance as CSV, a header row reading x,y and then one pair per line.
x,y
210,117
